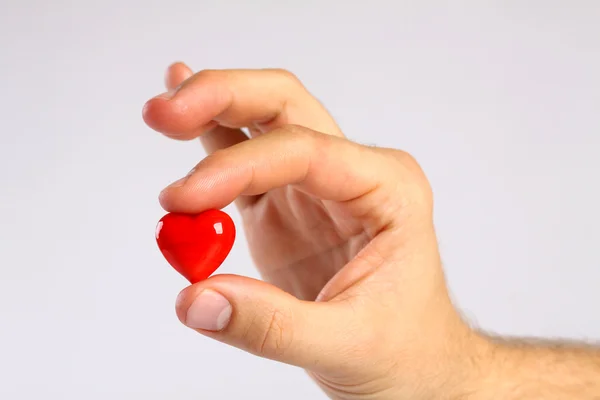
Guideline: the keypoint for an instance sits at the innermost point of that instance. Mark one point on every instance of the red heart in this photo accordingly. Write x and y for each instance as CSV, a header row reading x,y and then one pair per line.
x,y
195,245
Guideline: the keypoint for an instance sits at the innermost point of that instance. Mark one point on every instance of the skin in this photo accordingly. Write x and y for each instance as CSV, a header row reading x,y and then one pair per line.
x,y
353,289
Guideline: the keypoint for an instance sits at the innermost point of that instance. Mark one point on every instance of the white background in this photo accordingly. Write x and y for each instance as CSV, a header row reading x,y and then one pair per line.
x,y
499,101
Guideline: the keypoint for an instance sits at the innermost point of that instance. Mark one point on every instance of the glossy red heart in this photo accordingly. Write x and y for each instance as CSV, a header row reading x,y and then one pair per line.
x,y
195,245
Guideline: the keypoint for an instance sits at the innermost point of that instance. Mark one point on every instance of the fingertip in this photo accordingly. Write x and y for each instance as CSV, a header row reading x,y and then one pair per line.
x,y
197,314
175,198
156,111
171,196
182,303
176,74
164,200
179,66
184,199
168,117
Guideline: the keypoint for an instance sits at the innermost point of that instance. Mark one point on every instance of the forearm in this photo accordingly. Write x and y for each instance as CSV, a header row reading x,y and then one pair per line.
x,y
526,369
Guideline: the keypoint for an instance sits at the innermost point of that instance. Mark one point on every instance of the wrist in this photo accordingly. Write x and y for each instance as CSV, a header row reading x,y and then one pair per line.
x,y
468,367
486,369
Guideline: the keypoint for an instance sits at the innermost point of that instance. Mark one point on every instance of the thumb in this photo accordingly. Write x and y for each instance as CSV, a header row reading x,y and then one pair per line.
x,y
264,320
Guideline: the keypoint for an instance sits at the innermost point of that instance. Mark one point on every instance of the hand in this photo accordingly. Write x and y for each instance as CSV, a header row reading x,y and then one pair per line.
x,y
341,233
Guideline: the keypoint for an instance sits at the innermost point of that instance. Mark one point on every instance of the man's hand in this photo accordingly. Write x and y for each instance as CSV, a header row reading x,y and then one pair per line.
x,y
341,233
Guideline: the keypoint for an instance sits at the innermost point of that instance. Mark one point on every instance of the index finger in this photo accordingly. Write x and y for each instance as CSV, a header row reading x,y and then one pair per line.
x,y
320,165
262,99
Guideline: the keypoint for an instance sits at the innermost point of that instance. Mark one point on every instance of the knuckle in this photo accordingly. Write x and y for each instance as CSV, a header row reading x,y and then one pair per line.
x,y
298,134
276,334
414,177
405,158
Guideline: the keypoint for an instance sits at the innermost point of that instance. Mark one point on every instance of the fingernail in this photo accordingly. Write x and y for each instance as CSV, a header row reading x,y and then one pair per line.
x,y
191,171
178,182
181,182
167,95
210,311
